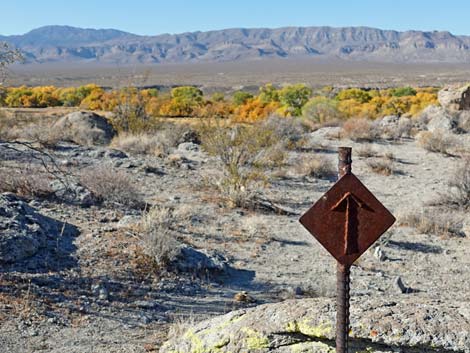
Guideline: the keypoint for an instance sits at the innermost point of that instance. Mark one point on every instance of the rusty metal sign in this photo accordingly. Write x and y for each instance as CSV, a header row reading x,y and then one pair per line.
x,y
347,219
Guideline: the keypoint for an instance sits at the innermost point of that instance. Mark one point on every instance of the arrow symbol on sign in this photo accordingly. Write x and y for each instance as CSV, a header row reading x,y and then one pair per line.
x,y
350,204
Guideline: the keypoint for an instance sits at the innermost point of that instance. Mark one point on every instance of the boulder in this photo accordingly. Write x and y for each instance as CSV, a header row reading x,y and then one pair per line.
x,y
190,260
84,128
73,192
24,231
466,227
389,121
188,147
463,119
455,97
308,325
437,118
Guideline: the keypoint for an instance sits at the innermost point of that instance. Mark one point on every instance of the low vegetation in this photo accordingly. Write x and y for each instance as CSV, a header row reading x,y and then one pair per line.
x,y
432,221
383,166
360,130
112,187
437,141
317,167
458,194
136,108
139,144
28,182
244,151
155,231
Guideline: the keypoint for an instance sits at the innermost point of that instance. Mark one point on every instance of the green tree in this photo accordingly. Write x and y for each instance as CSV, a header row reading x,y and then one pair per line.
x,y
294,97
321,109
185,101
403,91
241,97
356,94
217,97
268,93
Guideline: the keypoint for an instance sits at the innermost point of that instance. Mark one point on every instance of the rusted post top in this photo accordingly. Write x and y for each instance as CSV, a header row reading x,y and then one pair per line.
x,y
344,161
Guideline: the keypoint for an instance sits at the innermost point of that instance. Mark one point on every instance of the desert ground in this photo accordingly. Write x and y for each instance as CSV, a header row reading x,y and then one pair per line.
x,y
86,285
248,75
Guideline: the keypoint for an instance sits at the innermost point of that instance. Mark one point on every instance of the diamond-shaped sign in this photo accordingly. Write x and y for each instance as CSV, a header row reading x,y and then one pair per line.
x,y
347,219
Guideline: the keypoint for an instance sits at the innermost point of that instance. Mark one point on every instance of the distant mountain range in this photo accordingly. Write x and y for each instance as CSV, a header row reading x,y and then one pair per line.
x,y
53,44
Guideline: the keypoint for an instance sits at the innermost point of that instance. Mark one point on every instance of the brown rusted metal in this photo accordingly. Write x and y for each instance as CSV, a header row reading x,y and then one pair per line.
x,y
342,308
345,204
344,161
346,220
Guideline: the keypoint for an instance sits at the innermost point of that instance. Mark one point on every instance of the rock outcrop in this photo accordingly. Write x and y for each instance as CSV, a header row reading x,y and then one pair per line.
x,y
437,118
24,231
455,98
307,325
84,128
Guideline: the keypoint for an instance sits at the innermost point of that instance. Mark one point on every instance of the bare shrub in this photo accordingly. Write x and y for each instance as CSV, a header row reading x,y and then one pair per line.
x,y
130,114
389,156
433,222
242,150
40,133
366,151
27,182
437,141
156,234
172,134
359,130
140,144
381,166
320,110
396,131
114,187
459,187
289,131
317,167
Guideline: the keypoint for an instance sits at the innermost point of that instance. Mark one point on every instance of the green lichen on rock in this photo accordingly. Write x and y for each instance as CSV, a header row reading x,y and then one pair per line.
x,y
254,339
196,342
222,343
198,345
316,331
306,347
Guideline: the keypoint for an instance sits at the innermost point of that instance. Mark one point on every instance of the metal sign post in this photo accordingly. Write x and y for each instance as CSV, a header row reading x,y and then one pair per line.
x,y
346,220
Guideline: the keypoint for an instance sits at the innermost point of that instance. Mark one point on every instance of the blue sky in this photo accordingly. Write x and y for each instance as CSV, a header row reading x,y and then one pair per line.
x,y
175,16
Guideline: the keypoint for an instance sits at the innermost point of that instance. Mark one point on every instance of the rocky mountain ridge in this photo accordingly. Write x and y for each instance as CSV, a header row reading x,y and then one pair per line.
x,y
108,46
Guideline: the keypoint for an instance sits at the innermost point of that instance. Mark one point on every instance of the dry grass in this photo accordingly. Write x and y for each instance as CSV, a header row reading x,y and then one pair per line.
x,y
459,187
383,166
113,187
366,151
437,141
26,182
359,130
140,144
433,222
317,167
398,131
156,236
